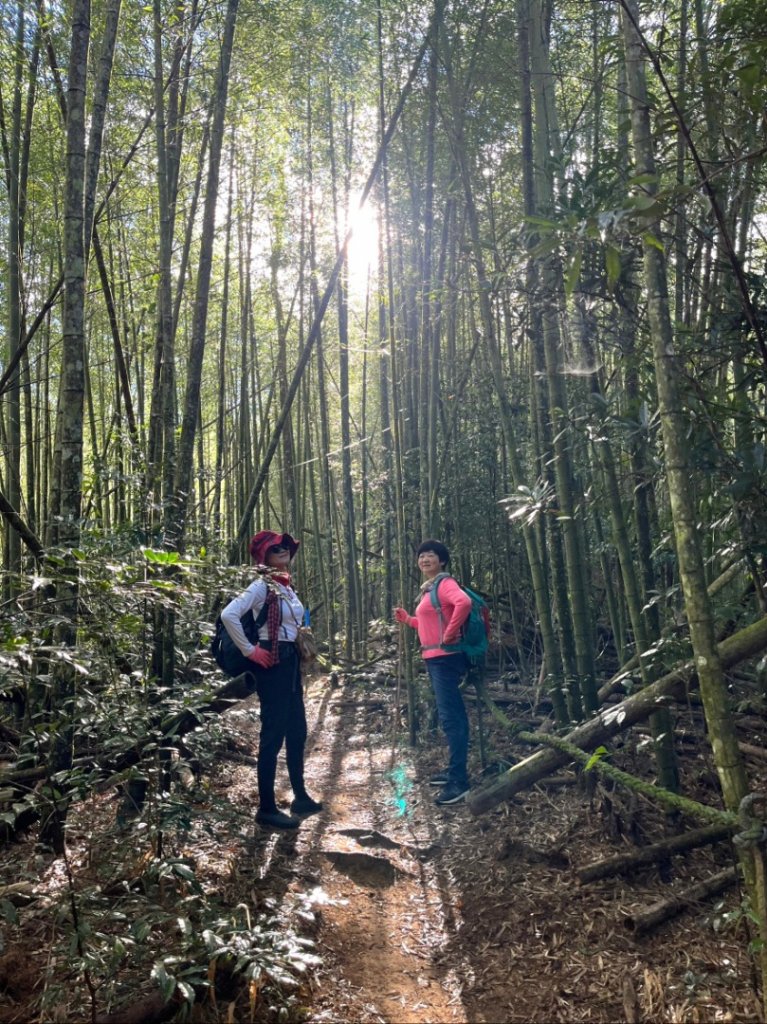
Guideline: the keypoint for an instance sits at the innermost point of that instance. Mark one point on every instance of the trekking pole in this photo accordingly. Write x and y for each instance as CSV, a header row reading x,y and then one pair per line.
x,y
397,697
479,688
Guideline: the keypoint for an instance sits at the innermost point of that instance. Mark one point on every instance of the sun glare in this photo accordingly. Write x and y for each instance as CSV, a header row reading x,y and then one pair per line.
x,y
363,249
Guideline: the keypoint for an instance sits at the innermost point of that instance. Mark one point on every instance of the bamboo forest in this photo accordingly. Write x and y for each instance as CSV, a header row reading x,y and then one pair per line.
x,y
383,480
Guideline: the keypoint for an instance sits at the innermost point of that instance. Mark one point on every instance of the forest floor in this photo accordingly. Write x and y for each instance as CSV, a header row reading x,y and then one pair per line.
x,y
419,914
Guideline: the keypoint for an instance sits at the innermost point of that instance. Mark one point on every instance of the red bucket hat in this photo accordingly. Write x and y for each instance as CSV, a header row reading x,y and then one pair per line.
x,y
266,539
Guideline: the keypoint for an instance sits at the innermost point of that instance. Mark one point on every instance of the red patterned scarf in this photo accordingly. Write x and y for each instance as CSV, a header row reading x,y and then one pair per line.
x,y
274,611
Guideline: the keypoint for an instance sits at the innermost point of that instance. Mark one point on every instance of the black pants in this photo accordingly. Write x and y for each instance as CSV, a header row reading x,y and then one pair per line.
x,y
283,720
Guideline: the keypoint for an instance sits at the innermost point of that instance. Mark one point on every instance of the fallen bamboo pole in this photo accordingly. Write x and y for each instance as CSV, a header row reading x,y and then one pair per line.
x,y
664,910
673,801
623,863
745,644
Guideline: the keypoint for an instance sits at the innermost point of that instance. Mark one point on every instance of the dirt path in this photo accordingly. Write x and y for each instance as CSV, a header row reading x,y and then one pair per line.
x,y
425,914
383,915
388,917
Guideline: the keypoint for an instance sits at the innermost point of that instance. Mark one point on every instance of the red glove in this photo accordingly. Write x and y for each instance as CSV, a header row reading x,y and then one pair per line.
x,y
402,616
261,657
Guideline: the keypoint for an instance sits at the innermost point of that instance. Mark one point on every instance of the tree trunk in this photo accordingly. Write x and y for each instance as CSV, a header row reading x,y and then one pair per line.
x,y
674,422
324,538
550,296
12,546
98,116
71,411
351,569
221,396
161,446
177,515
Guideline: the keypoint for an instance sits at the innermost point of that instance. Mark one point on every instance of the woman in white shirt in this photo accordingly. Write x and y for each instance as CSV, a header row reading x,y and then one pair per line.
x,y
276,665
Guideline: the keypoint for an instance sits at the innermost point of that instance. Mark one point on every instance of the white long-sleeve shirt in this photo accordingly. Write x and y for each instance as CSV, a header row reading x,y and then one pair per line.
x,y
252,599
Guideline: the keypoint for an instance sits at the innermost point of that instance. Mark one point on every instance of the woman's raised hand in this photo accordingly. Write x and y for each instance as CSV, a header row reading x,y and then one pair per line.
x,y
401,615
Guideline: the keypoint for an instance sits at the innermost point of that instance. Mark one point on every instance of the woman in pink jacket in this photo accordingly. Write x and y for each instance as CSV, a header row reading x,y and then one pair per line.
x,y
437,631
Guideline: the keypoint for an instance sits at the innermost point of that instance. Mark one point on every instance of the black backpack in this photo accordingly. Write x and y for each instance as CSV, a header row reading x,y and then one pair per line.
x,y
226,653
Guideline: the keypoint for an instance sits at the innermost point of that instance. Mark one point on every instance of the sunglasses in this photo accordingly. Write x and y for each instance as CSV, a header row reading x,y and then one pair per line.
x,y
275,549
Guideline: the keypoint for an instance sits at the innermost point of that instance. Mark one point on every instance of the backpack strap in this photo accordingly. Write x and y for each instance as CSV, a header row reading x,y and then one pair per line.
x,y
251,628
434,591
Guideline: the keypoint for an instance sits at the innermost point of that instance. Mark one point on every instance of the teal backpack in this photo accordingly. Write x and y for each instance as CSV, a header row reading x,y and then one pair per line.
x,y
475,632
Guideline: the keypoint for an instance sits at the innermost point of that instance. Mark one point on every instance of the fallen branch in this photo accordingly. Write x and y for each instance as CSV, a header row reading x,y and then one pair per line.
x,y
749,748
745,644
16,523
674,801
623,863
664,910
237,758
19,893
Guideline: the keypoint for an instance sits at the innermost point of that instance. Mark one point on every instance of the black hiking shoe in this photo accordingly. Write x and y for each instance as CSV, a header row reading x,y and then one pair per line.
x,y
440,779
276,819
305,805
452,794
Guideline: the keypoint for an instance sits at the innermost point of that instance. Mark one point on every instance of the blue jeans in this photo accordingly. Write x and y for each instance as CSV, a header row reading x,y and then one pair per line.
x,y
446,672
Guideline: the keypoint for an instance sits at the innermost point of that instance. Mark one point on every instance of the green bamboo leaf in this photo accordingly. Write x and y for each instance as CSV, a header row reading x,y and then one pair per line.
x,y
184,871
650,239
541,222
596,757
186,991
573,273
161,557
612,265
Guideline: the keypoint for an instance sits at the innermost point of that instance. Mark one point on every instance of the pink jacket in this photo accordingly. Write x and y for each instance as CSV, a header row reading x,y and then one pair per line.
x,y
432,631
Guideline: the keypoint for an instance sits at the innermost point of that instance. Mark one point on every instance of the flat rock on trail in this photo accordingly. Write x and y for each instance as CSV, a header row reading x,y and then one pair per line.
x,y
426,914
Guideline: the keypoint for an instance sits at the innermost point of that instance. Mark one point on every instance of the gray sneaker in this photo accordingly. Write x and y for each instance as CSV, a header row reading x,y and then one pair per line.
x,y
452,794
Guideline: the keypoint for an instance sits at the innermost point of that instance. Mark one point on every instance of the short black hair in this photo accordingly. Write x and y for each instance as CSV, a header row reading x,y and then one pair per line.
x,y
437,547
